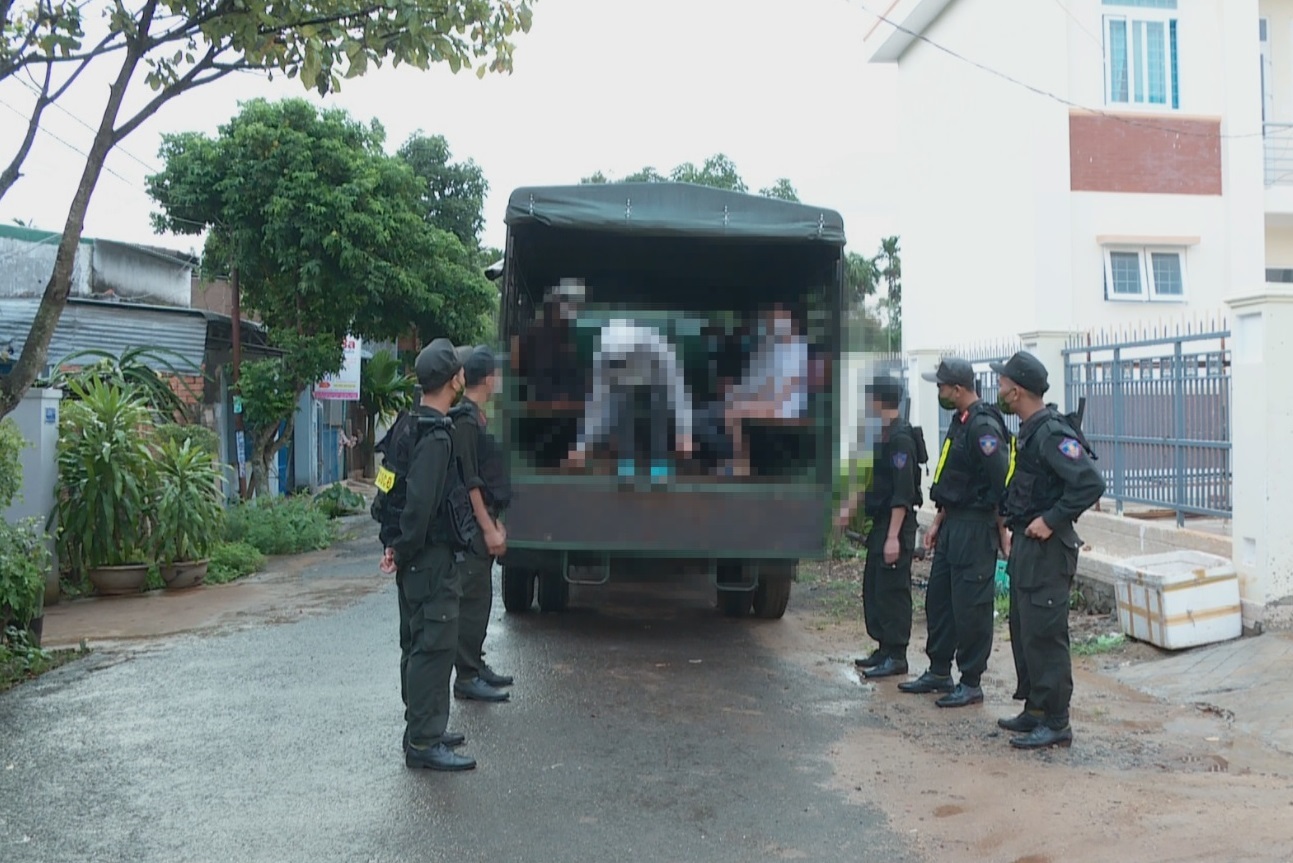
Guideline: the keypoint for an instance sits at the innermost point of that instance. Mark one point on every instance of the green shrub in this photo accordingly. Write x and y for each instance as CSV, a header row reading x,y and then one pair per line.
x,y
337,500
280,525
232,560
11,444
197,435
24,562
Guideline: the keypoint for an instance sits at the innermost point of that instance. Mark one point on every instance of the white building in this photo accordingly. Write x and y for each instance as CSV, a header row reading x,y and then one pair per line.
x,y
1106,167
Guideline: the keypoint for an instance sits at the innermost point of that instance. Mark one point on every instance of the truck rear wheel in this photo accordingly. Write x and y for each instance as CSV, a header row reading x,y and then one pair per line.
x,y
518,589
733,603
773,594
554,592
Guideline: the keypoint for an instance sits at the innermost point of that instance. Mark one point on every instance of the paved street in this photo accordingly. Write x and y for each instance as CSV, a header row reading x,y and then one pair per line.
x,y
658,733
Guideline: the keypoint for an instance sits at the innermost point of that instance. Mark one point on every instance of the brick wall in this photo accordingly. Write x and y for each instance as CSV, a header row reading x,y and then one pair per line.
x,y
1150,155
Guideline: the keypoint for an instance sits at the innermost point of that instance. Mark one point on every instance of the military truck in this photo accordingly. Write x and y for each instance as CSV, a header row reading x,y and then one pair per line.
x,y
699,265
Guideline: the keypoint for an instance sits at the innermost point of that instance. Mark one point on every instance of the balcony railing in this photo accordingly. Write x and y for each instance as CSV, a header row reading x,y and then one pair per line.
x,y
1279,153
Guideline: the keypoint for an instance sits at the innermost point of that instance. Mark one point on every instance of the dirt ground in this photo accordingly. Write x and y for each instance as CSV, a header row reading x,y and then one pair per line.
x,y
1144,781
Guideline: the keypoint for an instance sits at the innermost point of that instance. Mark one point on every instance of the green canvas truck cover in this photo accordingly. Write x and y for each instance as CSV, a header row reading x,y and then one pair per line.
x,y
672,209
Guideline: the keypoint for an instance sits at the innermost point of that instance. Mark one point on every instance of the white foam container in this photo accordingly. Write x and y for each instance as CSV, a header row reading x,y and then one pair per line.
x,y
1178,599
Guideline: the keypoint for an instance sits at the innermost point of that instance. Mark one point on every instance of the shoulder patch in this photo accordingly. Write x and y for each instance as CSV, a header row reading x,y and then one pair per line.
x,y
899,460
1070,448
989,443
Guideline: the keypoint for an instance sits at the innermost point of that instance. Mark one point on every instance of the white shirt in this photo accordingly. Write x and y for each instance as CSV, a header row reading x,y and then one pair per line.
x,y
778,367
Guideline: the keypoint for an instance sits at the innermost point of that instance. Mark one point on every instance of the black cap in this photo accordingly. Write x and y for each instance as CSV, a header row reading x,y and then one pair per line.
x,y
436,364
886,389
1026,370
952,371
478,364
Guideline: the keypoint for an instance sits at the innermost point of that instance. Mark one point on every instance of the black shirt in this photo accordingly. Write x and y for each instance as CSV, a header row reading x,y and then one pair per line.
x,y
893,470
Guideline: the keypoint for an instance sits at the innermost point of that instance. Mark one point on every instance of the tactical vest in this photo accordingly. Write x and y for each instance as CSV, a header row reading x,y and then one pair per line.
x,y
1032,488
959,478
454,523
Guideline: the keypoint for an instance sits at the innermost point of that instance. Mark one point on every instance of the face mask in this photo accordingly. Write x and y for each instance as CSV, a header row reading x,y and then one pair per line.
x,y
946,403
781,328
1004,406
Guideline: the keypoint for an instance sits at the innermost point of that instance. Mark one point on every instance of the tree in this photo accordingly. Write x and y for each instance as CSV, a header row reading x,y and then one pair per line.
x,y
718,171
328,236
177,46
863,277
453,198
386,391
781,189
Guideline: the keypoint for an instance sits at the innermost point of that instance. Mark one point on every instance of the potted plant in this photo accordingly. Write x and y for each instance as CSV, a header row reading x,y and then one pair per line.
x,y
24,563
189,515
105,467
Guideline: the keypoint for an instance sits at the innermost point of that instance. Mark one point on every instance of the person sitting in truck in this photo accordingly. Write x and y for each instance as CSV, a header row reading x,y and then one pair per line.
x,y
775,386
633,360
546,353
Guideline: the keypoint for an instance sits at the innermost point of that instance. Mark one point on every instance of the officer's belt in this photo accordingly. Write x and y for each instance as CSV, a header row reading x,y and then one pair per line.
x,y
968,513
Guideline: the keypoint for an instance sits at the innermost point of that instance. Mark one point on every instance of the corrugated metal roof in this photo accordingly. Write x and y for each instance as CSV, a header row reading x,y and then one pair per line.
x,y
113,327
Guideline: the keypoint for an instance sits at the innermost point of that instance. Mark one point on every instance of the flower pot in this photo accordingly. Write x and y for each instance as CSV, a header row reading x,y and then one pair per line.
x,y
185,573
119,580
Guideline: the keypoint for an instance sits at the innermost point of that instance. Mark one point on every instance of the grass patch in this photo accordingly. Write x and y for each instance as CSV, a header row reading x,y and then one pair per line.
x,y
280,526
233,560
336,500
20,660
1096,644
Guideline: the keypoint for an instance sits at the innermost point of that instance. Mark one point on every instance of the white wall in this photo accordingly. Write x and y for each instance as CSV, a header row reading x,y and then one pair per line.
x,y
1279,14
25,267
985,170
143,275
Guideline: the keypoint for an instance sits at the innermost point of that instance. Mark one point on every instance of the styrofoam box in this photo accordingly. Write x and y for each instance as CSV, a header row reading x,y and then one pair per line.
x,y
1178,599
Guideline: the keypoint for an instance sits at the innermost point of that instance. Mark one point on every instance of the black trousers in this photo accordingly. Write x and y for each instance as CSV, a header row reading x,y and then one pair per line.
x,y
475,574
886,590
1041,580
429,594
958,603
626,405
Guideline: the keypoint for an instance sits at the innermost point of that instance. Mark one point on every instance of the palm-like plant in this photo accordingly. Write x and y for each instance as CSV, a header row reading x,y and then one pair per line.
x,y
135,370
386,390
104,511
189,501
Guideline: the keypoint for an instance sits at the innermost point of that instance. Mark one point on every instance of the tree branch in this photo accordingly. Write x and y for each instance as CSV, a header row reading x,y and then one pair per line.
x,y
170,91
12,172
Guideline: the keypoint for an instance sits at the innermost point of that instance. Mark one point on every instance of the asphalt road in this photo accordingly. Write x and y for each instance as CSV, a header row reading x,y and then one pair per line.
x,y
646,728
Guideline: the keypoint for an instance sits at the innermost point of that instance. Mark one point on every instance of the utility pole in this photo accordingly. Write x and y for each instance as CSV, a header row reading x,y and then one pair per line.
x,y
240,434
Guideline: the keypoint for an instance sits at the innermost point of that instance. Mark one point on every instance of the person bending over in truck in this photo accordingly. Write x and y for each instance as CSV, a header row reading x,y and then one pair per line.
x,y
633,360
775,386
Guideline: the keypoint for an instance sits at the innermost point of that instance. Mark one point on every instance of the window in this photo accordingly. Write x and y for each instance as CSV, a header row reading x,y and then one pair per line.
x,y
1144,274
1140,57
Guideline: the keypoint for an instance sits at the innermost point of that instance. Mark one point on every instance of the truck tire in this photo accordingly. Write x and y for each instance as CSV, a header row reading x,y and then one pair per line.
x,y
733,603
772,595
518,589
554,592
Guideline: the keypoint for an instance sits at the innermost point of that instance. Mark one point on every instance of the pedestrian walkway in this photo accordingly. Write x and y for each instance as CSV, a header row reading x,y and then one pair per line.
x,y
1248,678
291,587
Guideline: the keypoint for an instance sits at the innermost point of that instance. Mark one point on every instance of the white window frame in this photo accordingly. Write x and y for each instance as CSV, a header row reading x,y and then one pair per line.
x,y
1129,18
1148,290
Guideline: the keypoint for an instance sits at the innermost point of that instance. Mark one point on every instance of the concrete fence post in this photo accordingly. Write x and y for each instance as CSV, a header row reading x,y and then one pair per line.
x,y
1261,455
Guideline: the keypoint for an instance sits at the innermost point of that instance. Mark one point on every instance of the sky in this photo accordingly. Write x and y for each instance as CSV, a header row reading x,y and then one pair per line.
x,y
781,88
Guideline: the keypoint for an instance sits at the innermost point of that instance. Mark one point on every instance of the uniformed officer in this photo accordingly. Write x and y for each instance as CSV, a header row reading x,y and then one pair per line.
x,y
1053,483
969,482
428,585
476,680
890,500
